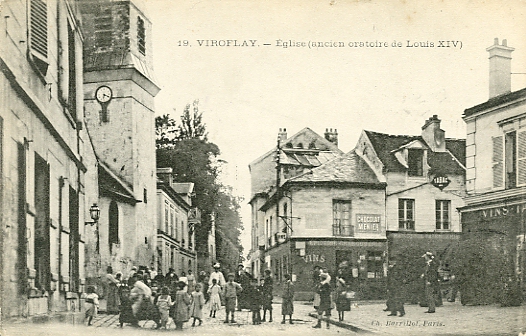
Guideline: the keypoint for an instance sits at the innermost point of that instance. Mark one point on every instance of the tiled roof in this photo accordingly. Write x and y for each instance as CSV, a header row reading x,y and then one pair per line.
x,y
347,168
445,162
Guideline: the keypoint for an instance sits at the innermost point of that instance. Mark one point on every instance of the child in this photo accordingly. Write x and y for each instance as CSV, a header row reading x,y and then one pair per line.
x,y
215,299
182,301
92,304
287,304
230,293
198,301
164,302
254,298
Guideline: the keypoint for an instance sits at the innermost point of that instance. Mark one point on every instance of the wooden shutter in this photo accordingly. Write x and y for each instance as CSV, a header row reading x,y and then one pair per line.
x,y
521,158
498,163
38,26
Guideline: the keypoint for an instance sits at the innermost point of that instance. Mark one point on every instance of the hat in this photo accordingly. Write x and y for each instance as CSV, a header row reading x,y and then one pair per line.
x,y
428,254
217,265
231,275
134,268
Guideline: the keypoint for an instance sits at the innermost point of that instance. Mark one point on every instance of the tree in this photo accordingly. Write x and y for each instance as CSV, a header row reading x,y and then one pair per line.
x,y
185,148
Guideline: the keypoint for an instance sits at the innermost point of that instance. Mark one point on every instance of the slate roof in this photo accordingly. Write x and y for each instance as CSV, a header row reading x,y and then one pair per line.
x,y
307,158
347,168
444,162
110,183
495,101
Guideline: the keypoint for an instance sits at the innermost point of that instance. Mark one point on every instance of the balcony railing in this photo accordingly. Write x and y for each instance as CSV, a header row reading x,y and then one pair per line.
x,y
406,224
340,230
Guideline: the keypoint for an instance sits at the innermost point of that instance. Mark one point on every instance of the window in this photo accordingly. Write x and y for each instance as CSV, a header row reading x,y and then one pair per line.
x,y
41,237
38,36
406,214
415,162
442,214
509,160
166,218
113,225
341,218
141,35
72,74
74,237
510,157
145,195
267,229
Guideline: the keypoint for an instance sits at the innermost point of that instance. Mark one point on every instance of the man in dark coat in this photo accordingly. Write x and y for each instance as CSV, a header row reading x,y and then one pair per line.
x,y
430,277
242,278
395,288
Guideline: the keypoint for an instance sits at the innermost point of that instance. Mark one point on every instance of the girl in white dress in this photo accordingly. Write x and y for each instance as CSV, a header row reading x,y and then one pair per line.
x,y
215,299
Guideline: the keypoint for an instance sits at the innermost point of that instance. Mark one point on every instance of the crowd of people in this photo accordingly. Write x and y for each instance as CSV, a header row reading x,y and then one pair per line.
x,y
148,295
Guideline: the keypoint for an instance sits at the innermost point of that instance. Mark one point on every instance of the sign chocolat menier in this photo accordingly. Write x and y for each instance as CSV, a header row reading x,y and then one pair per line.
x,y
368,223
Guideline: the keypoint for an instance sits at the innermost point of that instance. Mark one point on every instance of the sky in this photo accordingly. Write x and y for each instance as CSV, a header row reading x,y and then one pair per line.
x,y
248,92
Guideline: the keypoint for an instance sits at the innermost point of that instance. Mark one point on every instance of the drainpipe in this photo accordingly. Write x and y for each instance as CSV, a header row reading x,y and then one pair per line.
x,y
61,183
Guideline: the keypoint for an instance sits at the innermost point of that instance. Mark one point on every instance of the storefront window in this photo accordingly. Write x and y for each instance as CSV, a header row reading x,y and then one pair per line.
x,y
375,265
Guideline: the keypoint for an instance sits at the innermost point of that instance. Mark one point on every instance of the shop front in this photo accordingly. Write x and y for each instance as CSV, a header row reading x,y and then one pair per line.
x,y
492,253
363,263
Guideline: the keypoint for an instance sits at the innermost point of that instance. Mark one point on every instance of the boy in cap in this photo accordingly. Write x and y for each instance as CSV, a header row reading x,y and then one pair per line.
x,y
230,291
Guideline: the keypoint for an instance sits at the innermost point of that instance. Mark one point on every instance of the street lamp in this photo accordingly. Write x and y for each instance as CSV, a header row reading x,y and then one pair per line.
x,y
94,212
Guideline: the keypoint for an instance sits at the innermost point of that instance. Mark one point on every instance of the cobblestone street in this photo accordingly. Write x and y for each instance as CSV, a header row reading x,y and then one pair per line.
x,y
109,325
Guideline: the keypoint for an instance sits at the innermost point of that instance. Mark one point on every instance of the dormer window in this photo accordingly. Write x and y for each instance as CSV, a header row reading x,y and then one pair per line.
x,y
415,162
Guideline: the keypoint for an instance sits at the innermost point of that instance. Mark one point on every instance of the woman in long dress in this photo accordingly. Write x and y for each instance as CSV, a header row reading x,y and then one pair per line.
x,y
112,292
287,305
215,299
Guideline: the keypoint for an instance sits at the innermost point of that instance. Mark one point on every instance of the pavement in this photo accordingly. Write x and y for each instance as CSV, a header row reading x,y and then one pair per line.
x,y
449,319
365,317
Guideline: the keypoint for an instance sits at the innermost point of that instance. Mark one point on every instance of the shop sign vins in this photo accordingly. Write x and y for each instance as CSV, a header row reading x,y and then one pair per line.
x,y
368,223
314,258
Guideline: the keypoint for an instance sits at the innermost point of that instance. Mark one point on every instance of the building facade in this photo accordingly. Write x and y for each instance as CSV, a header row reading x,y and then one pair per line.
x,y
177,220
425,186
322,208
264,180
493,219
119,91
48,176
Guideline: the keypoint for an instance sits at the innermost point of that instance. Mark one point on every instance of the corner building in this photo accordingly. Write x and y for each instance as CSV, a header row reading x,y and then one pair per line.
x,y
494,218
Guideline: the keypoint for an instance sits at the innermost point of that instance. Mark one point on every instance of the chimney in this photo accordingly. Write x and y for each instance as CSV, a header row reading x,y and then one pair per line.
x,y
282,135
499,68
331,135
165,175
433,135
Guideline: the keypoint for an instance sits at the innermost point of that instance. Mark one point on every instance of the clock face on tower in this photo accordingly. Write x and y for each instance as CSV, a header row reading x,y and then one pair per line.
x,y
103,94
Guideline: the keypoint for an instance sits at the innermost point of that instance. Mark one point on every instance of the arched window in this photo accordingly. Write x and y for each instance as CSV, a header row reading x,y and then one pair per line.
x,y
113,225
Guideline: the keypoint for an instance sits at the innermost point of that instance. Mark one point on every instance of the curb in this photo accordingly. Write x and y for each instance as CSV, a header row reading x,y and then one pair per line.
x,y
355,328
